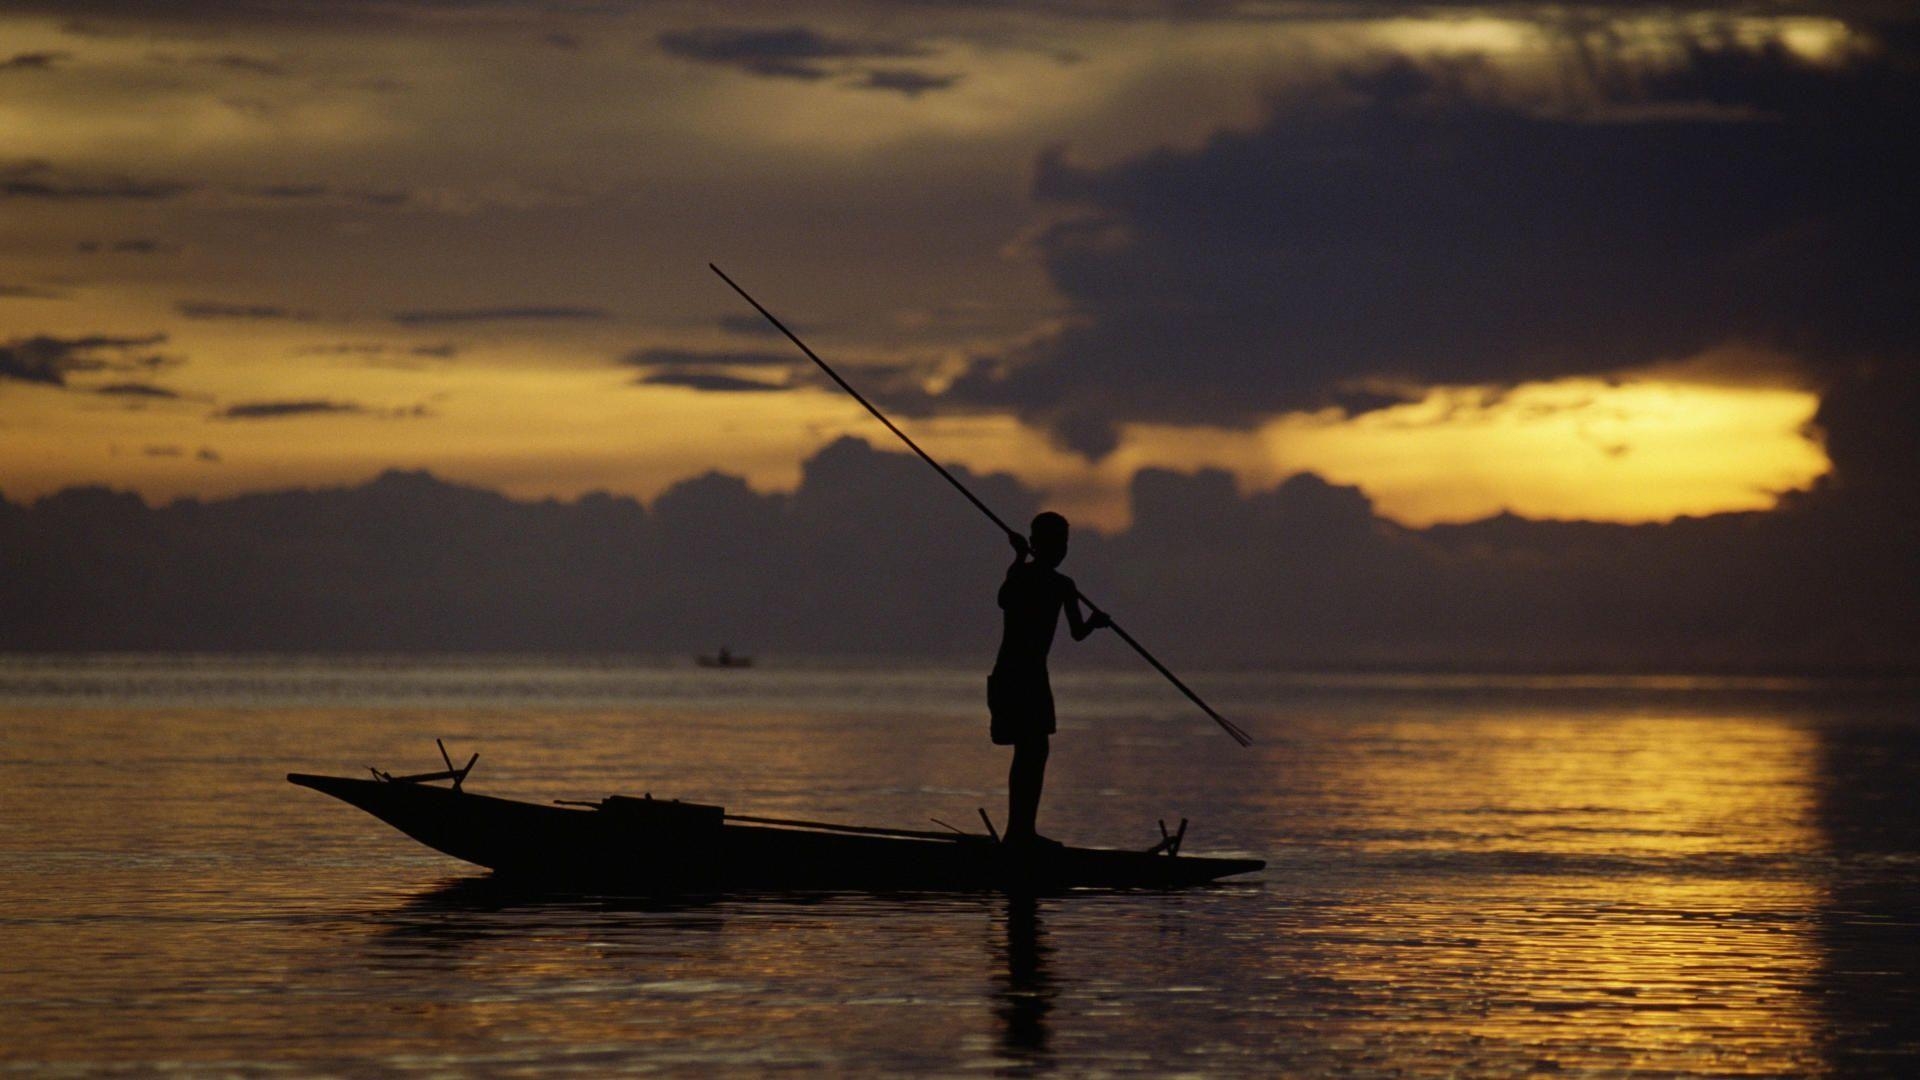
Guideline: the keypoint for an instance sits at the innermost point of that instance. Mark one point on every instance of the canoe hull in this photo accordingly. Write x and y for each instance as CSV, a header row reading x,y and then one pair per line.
x,y
598,848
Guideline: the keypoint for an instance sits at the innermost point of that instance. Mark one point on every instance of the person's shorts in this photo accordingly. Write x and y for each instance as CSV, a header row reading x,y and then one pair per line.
x,y
1021,704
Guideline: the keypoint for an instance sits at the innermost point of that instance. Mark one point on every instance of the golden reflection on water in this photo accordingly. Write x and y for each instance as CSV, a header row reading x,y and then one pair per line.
x,y
1641,897
1651,786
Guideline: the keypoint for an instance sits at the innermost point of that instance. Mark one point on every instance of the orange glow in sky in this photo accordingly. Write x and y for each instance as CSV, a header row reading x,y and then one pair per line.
x,y
541,421
276,209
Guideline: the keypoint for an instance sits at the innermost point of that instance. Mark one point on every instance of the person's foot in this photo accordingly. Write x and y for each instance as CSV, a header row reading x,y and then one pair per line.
x,y
1033,841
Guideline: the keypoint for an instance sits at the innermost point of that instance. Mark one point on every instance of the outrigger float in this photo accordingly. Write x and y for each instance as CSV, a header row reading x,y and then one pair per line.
x,y
664,845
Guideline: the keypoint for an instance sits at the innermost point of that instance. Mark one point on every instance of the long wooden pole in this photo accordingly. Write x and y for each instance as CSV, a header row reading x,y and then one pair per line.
x,y
1227,725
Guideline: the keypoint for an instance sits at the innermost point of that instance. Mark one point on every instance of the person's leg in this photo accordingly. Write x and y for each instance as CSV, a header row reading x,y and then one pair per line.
x,y
1024,781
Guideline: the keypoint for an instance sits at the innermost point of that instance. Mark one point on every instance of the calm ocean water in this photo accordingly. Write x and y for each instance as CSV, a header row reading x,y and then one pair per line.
x,y
1467,877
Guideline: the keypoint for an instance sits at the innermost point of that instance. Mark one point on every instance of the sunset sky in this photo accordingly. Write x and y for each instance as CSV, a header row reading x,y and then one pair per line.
x,y
1595,263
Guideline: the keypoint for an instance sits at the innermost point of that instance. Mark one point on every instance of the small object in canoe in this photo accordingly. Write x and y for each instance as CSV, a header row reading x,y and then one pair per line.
x,y
725,658
684,817
648,845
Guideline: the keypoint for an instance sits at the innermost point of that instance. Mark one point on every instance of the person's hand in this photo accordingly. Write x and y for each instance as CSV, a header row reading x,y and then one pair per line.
x,y
1019,543
1098,620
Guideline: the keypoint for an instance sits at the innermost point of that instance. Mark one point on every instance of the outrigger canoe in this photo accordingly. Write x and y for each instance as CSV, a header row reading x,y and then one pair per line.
x,y
663,845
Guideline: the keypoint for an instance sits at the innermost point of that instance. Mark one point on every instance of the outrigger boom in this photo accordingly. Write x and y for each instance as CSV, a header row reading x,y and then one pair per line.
x,y
453,774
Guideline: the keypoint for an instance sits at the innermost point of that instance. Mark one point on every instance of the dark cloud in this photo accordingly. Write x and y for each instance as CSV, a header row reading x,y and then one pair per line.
x,y
383,354
135,390
284,410
220,309
280,410
29,292
1869,421
205,455
36,179
1358,401
704,369
291,191
455,316
33,61
320,194
345,348
789,52
703,358
710,381
41,360
245,64
48,360
132,246
904,81
1417,228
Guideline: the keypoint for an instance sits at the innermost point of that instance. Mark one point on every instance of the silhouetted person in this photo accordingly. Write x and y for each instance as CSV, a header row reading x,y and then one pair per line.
x,y
1018,694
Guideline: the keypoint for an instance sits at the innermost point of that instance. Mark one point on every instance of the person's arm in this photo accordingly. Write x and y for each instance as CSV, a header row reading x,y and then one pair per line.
x,y
1077,625
1020,555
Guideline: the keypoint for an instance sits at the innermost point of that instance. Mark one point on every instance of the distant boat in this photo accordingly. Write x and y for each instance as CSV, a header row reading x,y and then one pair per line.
x,y
660,845
723,658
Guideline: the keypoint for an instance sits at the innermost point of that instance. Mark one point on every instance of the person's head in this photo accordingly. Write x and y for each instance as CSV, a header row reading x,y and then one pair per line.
x,y
1047,538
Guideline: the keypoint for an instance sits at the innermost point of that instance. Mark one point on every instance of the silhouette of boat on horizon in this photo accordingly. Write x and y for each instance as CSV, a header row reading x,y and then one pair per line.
x,y
661,845
725,658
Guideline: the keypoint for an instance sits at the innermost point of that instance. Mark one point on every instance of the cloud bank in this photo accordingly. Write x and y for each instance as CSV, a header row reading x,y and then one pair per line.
x,y
869,554
526,313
